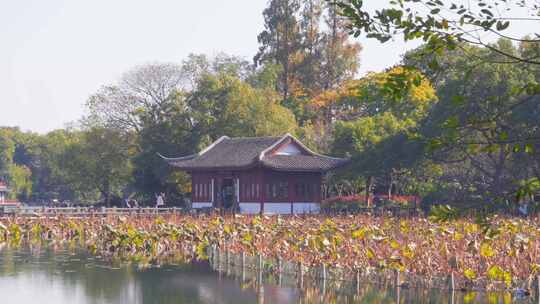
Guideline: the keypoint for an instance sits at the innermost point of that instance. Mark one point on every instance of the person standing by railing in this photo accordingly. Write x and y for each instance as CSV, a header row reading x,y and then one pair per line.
x,y
159,200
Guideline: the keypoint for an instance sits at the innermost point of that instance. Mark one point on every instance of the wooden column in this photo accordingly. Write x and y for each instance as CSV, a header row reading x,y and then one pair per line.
x,y
291,180
219,185
193,182
213,191
263,189
318,186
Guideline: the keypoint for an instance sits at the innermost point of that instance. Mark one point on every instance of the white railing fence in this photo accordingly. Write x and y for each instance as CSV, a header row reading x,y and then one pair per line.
x,y
84,211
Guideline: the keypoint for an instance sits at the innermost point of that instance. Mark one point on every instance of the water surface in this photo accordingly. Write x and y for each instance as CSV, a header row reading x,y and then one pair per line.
x,y
62,275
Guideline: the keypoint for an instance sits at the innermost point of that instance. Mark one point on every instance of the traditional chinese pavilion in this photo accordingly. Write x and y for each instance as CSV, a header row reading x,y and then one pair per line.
x,y
257,175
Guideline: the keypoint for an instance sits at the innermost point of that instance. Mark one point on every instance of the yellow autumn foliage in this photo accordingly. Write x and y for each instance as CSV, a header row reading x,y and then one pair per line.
x,y
419,92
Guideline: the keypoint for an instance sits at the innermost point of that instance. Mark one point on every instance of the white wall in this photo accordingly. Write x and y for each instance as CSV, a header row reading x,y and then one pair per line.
x,y
299,208
277,208
280,208
197,205
270,208
250,208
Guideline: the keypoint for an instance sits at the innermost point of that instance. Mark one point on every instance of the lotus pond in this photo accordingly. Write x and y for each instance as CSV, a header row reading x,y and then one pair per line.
x,y
165,259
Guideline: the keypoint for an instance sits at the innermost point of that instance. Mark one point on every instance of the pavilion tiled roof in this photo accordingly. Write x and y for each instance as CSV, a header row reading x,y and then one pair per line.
x,y
238,153
302,162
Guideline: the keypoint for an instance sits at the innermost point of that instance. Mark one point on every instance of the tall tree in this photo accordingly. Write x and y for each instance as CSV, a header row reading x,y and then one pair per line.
x,y
16,174
309,66
7,149
224,105
339,62
99,162
341,56
143,90
312,60
281,42
48,165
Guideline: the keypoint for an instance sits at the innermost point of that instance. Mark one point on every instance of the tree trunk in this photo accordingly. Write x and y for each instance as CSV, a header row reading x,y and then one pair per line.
x,y
369,185
286,61
106,192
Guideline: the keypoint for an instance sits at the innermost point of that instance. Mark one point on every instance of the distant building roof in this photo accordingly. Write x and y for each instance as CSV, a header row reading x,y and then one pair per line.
x,y
284,153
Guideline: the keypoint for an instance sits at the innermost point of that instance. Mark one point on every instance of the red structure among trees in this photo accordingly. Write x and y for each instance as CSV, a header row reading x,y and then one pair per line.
x,y
257,175
4,191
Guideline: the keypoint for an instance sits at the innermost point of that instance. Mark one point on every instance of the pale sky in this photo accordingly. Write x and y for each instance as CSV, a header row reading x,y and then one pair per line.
x,y
55,53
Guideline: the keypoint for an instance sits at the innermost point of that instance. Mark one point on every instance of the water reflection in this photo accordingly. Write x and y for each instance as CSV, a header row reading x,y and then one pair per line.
x,y
61,275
